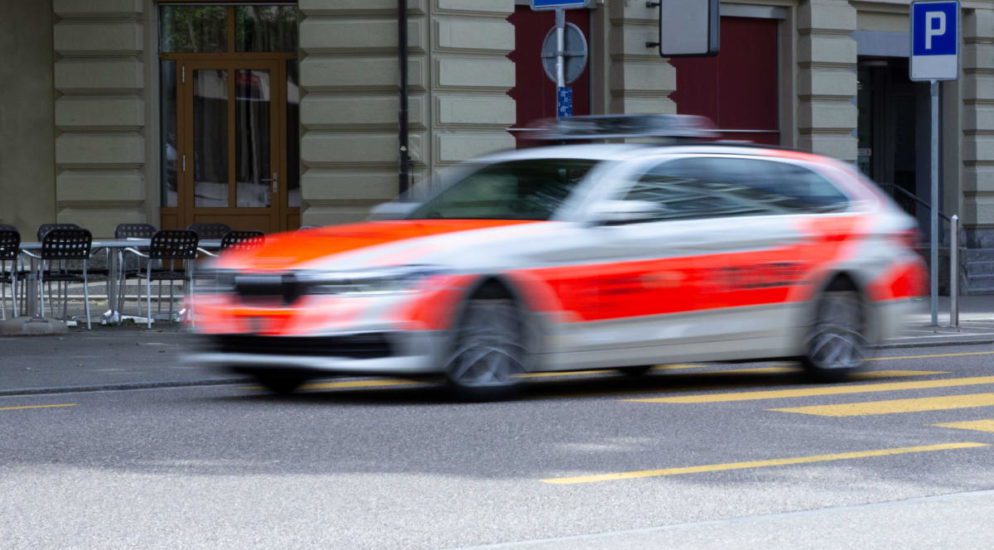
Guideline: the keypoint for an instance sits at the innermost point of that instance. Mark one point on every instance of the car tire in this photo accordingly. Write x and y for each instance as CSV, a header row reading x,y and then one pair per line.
x,y
280,383
835,347
636,372
488,352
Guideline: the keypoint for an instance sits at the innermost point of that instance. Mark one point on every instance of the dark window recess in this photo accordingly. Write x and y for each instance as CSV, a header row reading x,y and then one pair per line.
x,y
365,346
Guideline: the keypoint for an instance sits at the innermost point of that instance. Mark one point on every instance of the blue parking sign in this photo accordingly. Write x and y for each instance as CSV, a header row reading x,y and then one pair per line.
x,y
564,103
559,4
935,30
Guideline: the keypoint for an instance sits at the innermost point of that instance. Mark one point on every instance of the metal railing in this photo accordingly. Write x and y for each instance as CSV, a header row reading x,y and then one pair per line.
x,y
954,267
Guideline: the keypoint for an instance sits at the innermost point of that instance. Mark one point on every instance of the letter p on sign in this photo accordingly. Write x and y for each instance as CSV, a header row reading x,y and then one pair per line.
x,y
935,39
935,25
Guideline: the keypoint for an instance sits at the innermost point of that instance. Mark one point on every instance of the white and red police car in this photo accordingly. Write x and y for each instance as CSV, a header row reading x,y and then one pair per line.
x,y
579,256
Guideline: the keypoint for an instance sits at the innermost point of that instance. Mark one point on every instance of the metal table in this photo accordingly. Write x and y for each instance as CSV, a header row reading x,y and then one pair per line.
x,y
113,315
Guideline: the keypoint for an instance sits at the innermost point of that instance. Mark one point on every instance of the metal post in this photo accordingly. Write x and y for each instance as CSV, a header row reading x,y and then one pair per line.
x,y
560,49
934,210
954,271
404,115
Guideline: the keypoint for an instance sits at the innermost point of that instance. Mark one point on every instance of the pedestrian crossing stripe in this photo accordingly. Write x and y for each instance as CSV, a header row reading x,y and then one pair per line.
x,y
821,391
897,406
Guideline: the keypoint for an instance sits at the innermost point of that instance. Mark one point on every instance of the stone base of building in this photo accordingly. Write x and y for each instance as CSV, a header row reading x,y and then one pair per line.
x,y
977,261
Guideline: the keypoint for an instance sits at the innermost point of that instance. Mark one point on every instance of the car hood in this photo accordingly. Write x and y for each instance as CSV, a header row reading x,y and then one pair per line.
x,y
372,244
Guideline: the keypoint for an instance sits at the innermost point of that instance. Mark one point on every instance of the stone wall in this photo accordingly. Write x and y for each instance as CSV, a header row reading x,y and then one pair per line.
x,y
99,113
639,80
458,79
826,78
27,176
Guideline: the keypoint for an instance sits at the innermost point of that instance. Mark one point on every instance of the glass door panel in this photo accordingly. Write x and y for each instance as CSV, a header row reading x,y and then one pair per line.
x,y
210,138
255,177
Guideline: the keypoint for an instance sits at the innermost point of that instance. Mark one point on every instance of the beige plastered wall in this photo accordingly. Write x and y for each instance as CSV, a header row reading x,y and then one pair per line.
x,y
27,175
100,113
459,108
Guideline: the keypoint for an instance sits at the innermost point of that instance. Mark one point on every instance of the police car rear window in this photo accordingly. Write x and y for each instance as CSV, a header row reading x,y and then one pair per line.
x,y
711,187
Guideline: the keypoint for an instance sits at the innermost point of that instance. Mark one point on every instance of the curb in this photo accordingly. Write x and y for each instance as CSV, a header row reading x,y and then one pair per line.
x,y
121,387
932,343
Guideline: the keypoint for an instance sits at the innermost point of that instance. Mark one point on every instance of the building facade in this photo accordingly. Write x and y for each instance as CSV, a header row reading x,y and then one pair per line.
x,y
272,115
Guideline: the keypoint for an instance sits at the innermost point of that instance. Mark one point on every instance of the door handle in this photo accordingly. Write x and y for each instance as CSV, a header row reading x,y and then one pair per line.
x,y
274,181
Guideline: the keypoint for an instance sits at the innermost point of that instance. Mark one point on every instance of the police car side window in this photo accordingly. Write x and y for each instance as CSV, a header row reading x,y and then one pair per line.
x,y
713,187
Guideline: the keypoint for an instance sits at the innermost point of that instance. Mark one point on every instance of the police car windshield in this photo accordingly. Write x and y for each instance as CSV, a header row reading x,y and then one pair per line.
x,y
517,190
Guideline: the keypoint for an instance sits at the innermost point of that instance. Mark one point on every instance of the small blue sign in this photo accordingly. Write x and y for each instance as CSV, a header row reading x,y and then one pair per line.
x,y
559,4
934,31
935,40
564,102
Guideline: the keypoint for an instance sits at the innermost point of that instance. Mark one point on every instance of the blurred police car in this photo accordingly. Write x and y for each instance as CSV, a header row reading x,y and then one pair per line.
x,y
579,256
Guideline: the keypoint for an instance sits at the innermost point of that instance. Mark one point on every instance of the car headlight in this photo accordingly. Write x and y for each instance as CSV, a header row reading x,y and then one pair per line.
x,y
387,281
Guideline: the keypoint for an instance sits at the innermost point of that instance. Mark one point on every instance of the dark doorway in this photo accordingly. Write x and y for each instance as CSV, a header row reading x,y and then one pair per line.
x,y
894,132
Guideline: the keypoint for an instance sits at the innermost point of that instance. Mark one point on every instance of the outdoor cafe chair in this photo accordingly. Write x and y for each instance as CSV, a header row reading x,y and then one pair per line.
x,y
242,240
208,231
125,270
44,228
175,250
60,247
10,251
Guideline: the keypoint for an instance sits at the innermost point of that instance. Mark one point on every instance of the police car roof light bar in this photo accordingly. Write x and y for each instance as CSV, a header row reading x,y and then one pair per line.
x,y
594,127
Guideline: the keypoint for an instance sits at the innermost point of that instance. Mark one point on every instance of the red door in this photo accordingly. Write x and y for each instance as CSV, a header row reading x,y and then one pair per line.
x,y
737,89
534,93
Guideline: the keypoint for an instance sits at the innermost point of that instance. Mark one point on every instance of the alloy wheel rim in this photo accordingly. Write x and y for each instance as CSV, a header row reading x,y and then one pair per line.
x,y
488,351
837,341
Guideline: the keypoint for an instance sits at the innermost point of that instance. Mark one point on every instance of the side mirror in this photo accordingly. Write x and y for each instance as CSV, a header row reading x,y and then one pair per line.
x,y
622,212
393,210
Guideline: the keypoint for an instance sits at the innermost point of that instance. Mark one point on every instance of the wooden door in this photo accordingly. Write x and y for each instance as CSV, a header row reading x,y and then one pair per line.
x,y
230,140
738,88
534,94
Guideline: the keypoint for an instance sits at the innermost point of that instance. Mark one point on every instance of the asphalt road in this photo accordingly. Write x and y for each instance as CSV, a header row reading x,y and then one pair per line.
x,y
692,456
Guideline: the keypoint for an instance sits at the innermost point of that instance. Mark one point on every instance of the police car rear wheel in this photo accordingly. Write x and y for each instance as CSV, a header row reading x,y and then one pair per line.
x,y
835,346
488,354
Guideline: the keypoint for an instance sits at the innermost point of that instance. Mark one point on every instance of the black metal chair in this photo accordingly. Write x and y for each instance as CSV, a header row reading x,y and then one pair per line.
x,y
124,270
44,228
59,247
242,240
172,249
10,251
206,231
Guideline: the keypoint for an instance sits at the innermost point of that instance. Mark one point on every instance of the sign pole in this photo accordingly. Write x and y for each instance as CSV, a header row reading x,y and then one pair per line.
x,y
560,48
560,56
934,210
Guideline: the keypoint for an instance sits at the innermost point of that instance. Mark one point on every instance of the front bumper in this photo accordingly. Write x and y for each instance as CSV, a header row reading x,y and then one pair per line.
x,y
383,353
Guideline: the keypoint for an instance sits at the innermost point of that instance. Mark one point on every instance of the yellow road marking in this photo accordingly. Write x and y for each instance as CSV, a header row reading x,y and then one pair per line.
x,y
355,384
26,407
816,392
934,356
897,406
975,425
560,374
759,463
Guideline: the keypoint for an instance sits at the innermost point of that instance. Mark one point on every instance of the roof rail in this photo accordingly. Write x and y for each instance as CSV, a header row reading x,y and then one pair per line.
x,y
594,127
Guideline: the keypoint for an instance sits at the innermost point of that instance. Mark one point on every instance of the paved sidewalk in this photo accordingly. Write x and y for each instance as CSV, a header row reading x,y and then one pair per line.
x,y
105,358
976,324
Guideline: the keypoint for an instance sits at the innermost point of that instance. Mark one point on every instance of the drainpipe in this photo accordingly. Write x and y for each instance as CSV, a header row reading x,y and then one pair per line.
x,y
405,155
